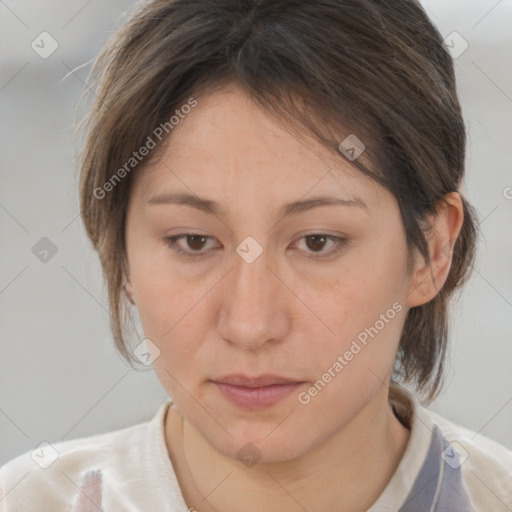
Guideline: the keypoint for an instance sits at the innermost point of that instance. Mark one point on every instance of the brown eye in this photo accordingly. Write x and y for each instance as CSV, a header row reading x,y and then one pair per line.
x,y
196,242
321,245
190,244
316,242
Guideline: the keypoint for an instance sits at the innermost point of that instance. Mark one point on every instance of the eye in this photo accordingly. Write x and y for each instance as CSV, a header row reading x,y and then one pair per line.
x,y
316,243
194,244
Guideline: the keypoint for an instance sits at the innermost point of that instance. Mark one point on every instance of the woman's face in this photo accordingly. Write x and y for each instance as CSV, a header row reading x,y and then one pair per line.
x,y
254,293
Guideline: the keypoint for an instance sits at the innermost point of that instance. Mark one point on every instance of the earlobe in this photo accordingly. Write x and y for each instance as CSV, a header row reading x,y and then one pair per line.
x,y
428,279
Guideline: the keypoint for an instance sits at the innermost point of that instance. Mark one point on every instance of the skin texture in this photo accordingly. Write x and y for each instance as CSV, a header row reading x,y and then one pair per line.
x,y
286,313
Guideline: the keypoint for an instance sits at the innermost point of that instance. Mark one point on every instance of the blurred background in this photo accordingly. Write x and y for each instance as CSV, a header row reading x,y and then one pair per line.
x,y
60,377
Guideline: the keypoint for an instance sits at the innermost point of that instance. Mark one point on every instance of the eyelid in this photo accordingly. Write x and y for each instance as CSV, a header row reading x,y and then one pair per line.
x,y
171,242
340,241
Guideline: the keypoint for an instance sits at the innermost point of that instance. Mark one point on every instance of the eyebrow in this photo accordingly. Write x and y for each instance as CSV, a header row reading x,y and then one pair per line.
x,y
293,208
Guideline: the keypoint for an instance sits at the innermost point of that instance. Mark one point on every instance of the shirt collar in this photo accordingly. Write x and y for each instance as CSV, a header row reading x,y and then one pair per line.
x,y
428,477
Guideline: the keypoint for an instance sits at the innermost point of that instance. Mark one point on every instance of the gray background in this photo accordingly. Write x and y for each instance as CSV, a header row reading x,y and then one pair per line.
x,y
60,377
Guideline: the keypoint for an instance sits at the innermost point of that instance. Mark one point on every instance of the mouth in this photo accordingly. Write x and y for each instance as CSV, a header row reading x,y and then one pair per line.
x,y
256,393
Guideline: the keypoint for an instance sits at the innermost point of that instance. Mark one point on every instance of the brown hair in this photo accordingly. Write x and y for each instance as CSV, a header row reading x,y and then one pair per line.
x,y
373,68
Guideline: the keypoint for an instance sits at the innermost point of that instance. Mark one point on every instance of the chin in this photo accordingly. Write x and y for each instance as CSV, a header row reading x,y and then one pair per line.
x,y
259,445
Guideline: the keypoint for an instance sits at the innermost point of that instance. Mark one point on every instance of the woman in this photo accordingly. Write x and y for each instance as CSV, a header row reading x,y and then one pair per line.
x,y
274,186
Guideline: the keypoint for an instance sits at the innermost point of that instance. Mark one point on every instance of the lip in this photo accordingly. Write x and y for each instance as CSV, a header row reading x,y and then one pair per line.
x,y
256,393
255,382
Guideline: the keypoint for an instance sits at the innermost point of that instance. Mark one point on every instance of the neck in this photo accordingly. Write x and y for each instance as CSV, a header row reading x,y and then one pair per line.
x,y
348,471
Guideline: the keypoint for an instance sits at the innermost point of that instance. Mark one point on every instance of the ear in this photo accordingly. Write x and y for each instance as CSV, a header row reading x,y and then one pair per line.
x,y
428,279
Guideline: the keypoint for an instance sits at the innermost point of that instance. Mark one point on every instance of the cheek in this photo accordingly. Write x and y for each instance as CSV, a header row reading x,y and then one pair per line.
x,y
163,293
362,311
170,308
174,317
175,314
349,367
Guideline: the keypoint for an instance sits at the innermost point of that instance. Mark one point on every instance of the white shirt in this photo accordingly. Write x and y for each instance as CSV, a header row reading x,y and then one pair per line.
x,y
473,473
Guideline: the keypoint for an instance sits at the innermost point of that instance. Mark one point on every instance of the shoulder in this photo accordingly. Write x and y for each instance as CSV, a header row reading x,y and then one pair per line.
x,y
478,444
484,466
50,476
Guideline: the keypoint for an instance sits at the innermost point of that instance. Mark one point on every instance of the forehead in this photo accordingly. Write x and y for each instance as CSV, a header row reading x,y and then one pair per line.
x,y
227,143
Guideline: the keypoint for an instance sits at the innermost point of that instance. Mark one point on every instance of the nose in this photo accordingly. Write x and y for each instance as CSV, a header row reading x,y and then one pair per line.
x,y
253,308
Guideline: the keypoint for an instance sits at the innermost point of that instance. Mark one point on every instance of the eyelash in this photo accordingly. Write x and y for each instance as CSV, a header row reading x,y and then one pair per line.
x,y
171,242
